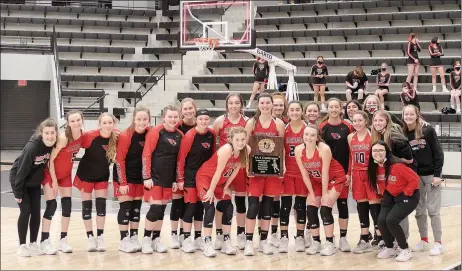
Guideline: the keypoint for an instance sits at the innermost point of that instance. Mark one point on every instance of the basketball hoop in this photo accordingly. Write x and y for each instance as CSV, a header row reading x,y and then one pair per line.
x,y
207,47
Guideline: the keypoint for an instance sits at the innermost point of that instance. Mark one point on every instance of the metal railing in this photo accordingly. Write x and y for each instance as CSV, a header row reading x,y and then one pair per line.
x,y
58,70
146,82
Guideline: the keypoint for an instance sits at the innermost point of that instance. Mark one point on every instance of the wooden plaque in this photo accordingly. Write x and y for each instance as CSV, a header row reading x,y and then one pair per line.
x,y
267,156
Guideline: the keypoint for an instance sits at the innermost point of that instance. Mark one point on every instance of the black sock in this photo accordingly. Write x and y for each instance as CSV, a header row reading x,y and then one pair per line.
x,y
133,232
208,239
307,226
365,237
197,234
90,233
240,230
63,235
263,235
181,231
330,239
370,237
219,232
226,237
147,233
249,236
186,235
259,230
174,232
343,233
301,233
317,238
274,229
155,234
99,232
285,233
379,237
123,234
45,236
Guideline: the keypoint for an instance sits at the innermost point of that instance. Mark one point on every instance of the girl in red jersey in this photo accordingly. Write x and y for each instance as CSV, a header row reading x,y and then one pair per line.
x,y
335,131
293,185
197,146
312,112
280,107
93,174
159,173
262,123
413,62
58,176
325,180
212,181
222,125
128,180
399,186
366,197
455,83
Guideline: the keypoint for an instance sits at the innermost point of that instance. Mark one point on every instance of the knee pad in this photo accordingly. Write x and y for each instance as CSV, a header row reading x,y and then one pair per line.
x,y
123,217
240,204
87,205
136,210
260,211
254,206
209,214
164,207
326,216
50,209
221,206
342,206
266,206
313,218
175,210
189,212
276,209
300,209
199,213
100,206
363,213
227,212
286,205
154,213
183,208
66,206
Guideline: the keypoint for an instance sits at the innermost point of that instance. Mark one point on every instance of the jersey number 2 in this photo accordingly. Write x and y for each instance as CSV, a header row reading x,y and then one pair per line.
x,y
360,157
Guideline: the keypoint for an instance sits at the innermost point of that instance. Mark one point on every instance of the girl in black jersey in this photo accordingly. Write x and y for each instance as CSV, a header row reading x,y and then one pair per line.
x,y
260,70
413,62
319,73
383,84
436,51
455,86
312,113
350,109
356,81
188,110
409,95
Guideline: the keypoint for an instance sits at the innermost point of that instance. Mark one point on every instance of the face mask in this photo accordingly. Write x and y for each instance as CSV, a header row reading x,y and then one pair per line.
x,y
384,69
380,162
319,61
457,68
371,108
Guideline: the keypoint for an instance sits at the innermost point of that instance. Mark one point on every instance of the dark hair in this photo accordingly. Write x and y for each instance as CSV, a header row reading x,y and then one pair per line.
x,y
258,113
434,40
301,107
345,113
372,169
406,84
411,36
234,94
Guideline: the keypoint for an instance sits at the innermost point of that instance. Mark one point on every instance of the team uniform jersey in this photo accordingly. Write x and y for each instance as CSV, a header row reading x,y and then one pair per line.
x,y
317,69
412,53
183,127
63,164
207,170
313,165
382,80
454,80
401,179
293,181
436,51
410,98
261,71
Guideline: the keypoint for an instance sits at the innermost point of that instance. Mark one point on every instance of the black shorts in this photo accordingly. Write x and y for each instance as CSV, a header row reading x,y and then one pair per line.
x,y
383,87
318,81
259,79
410,61
435,62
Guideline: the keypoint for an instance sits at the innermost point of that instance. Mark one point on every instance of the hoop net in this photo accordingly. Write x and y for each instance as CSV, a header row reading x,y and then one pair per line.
x,y
207,47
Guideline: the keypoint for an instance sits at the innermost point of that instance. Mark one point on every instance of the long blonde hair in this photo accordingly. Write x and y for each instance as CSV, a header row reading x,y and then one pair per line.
x,y
182,104
112,145
418,131
391,132
243,155
67,130
139,108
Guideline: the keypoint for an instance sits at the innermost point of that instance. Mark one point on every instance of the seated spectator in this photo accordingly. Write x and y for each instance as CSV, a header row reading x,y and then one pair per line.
x,y
455,87
409,95
383,84
356,81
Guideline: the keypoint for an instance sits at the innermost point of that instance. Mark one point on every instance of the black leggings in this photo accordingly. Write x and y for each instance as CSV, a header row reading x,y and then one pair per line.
x,y
393,211
29,208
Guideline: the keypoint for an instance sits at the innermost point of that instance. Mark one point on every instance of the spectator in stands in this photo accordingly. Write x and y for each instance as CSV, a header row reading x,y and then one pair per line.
x,y
350,109
311,111
413,62
260,70
356,81
436,51
430,157
454,79
409,95
383,84
318,73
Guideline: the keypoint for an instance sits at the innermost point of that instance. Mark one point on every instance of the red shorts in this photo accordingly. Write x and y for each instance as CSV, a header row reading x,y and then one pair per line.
x,y
178,192
360,186
294,186
338,186
134,190
157,193
270,186
88,187
190,195
62,182
202,189
239,183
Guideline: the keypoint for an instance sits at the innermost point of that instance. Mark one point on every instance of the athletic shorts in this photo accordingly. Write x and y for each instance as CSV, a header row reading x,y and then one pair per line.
x,y
88,187
294,186
269,186
178,192
339,186
134,190
190,195
203,185
239,183
157,193
62,182
360,186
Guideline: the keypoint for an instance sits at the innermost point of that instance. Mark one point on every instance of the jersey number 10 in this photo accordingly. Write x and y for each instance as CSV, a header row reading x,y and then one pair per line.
x,y
360,157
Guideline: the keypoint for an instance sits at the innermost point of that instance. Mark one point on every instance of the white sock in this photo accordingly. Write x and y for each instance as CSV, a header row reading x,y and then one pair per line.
x,y
434,88
453,106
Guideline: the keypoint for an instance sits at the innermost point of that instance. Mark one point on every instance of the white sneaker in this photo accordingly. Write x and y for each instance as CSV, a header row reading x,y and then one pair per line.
x,y
437,249
343,245
308,238
181,239
64,246
284,245
218,242
241,241
434,89
329,249
188,245
101,246
265,247
23,251
362,247
136,243
458,111
199,243
421,246
146,245
404,255
314,248
299,244
323,108
35,250
380,245
228,248
175,242
47,248
157,246
249,250
92,245
445,89
274,240
386,253
126,245
208,250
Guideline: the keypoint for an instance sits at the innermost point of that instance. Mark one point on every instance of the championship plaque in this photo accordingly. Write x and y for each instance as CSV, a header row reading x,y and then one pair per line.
x,y
267,156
